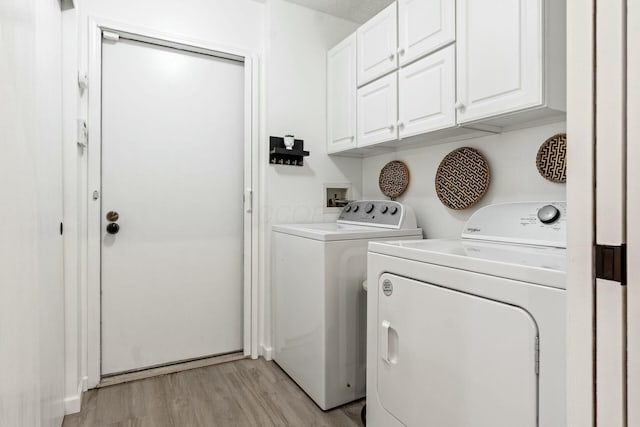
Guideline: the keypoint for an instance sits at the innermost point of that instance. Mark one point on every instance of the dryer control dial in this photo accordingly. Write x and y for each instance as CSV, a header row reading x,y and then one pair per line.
x,y
548,214
369,208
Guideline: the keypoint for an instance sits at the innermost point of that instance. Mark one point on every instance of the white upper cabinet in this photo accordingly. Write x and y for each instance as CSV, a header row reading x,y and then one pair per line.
x,y
427,93
377,45
341,96
505,54
424,26
447,70
378,111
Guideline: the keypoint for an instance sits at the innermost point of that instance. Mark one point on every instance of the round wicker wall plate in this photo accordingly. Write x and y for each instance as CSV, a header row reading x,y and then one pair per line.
x,y
552,158
394,179
463,178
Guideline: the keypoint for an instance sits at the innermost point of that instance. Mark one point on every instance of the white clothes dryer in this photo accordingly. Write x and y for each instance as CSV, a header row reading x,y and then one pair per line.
x,y
318,304
470,332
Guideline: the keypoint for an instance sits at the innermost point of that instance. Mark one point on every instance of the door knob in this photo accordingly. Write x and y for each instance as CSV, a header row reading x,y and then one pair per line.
x,y
113,228
112,216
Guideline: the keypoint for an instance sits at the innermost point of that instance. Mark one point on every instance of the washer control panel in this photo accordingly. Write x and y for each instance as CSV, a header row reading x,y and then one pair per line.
x,y
377,213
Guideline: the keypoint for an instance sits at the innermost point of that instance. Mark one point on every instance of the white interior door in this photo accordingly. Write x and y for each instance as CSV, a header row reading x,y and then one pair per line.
x,y
172,168
451,359
610,212
633,214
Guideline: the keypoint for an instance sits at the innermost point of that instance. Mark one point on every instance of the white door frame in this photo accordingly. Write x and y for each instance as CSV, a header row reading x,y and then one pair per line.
x,y
581,203
633,212
251,170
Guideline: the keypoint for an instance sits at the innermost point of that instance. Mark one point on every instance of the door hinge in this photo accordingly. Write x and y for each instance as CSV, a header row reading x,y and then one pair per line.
x,y
83,80
249,200
611,263
108,35
537,356
83,133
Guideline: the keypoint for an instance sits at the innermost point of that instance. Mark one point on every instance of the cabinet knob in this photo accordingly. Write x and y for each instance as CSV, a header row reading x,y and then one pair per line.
x,y
392,56
391,128
459,106
400,125
400,51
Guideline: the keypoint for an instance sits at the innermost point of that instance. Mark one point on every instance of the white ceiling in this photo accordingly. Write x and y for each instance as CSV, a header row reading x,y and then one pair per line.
x,y
354,10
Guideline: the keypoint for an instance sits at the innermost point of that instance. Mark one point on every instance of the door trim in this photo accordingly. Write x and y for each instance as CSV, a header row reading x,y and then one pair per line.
x,y
251,171
581,213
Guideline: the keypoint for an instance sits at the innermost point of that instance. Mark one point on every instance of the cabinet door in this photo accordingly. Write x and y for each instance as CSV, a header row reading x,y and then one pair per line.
x,y
500,61
424,26
378,111
427,94
377,45
341,96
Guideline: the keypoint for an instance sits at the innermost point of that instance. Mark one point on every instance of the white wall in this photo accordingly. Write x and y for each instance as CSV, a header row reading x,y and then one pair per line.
x,y
514,177
31,283
73,244
295,69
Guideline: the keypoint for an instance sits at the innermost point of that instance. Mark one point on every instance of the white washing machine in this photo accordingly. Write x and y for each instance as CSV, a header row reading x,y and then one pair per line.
x,y
318,304
470,332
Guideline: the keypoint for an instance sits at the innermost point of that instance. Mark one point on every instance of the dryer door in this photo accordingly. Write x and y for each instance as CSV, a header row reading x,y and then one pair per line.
x,y
452,359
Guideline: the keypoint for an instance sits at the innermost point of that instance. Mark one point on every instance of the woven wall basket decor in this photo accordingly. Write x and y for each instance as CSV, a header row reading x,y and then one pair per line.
x,y
552,158
394,179
463,178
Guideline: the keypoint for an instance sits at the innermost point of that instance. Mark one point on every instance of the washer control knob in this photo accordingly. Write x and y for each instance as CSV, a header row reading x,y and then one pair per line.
x,y
369,208
347,208
394,210
384,209
356,208
548,214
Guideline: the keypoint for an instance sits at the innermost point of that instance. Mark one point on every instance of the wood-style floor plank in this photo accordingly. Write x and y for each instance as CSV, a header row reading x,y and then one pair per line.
x,y
240,393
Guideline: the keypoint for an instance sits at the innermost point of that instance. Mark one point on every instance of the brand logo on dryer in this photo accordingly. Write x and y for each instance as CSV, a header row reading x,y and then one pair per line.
x,y
387,287
473,230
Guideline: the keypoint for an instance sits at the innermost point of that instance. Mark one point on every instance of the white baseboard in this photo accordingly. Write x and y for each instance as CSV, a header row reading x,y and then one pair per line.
x,y
73,404
267,352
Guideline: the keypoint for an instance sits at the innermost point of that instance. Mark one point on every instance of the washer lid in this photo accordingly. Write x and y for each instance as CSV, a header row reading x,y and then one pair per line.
x,y
530,223
533,264
334,231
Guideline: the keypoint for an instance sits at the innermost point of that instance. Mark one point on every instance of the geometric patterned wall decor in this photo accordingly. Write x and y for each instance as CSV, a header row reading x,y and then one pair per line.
x,y
394,179
463,178
552,158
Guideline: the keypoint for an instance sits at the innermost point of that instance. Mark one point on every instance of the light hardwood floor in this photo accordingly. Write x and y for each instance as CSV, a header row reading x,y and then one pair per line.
x,y
241,393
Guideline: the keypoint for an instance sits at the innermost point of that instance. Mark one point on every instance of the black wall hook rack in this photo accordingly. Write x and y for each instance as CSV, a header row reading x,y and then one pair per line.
x,y
279,155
